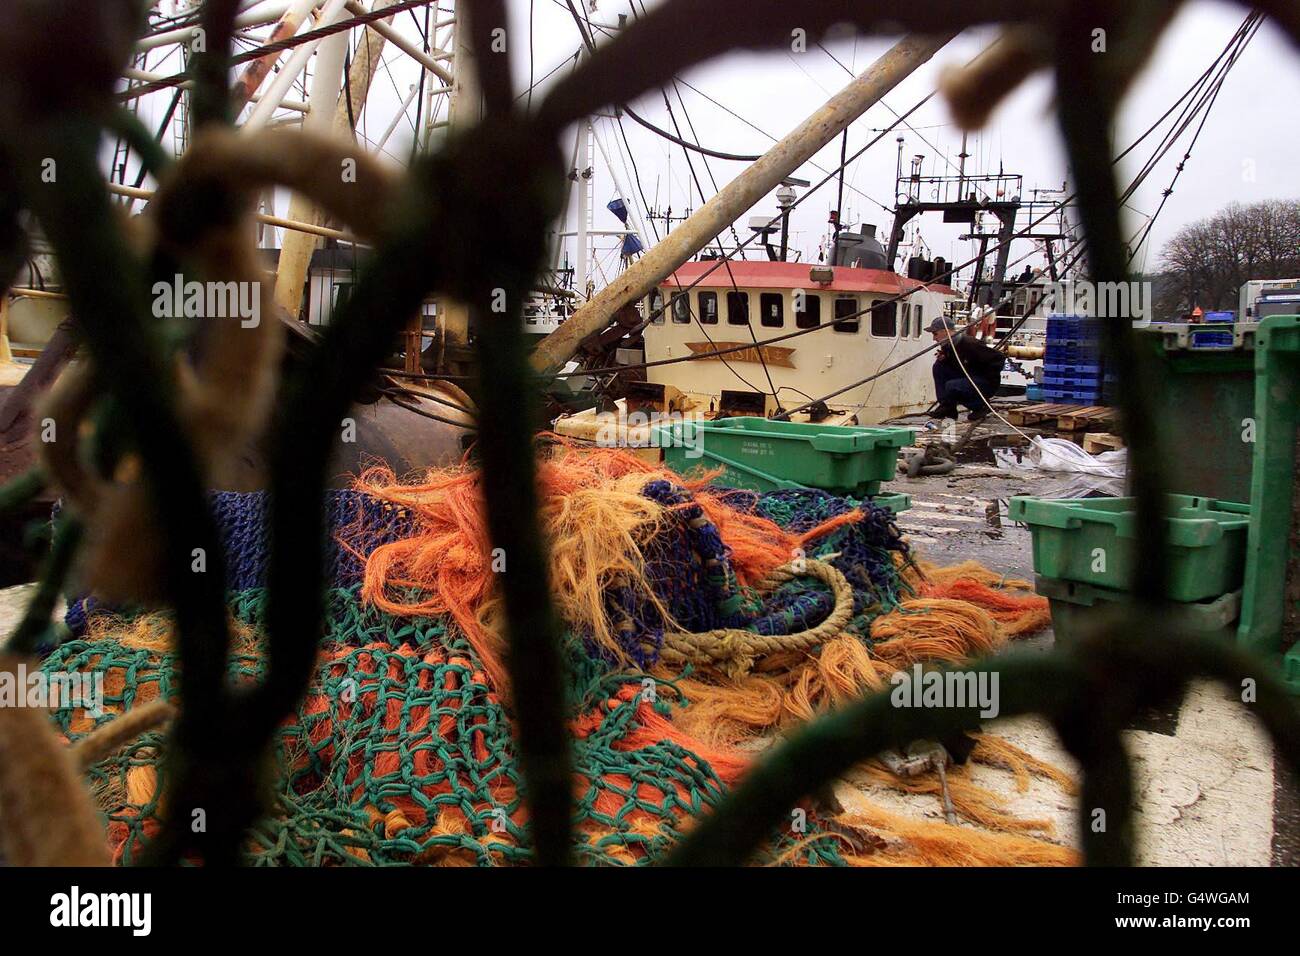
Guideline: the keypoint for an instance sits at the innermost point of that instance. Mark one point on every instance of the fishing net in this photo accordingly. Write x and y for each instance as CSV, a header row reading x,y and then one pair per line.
x,y
402,751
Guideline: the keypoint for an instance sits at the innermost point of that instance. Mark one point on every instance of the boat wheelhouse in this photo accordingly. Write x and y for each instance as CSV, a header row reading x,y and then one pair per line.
x,y
714,305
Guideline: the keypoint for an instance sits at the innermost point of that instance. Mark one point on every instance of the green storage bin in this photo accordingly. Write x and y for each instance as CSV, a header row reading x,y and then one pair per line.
x,y
1073,604
1092,541
764,455
1291,669
1209,393
895,503
1270,609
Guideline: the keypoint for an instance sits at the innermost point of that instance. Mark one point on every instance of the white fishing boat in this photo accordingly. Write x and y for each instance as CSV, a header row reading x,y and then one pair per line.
x,y
870,318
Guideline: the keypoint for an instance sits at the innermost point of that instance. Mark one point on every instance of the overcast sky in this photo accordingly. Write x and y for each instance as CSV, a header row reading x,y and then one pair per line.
x,y
1247,151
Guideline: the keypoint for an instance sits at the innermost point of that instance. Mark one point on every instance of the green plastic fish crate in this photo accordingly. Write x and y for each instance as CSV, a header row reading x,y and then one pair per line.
x,y
1093,541
895,503
764,455
1209,393
1074,604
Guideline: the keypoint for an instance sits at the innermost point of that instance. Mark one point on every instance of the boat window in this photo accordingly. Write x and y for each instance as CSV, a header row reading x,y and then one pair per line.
x,y
681,307
772,310
884,320
657,308
918,320
738,308
709,308
810,316
846,318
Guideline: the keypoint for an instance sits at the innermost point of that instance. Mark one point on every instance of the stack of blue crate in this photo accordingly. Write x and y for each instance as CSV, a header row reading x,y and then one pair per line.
x,y
1072,365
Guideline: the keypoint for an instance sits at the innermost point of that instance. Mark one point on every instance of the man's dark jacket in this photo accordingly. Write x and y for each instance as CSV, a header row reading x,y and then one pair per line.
x,y
981,362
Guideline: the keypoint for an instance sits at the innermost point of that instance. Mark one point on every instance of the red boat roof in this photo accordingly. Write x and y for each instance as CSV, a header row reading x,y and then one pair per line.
x,y
757,274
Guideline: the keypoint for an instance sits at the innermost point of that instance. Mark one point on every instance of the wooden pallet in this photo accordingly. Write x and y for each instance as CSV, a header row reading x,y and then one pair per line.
x,y
1087,418
1067,418
1095,442
1033,414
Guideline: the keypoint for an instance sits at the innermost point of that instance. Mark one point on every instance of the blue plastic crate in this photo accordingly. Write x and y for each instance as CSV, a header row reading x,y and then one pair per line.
x,y
1072,354
1033,393
1060,320
1090,348
1072,363
1071,368
1220,316
1072,328
1210,339
1072,381
1082,396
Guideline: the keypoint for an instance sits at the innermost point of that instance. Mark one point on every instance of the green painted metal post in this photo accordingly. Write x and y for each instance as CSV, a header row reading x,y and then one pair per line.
x,y
1271,600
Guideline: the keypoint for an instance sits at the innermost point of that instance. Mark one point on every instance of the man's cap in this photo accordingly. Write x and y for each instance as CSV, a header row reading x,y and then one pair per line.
x,y
939,325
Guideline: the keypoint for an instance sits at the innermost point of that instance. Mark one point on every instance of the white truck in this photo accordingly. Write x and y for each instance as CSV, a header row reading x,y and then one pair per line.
x,y
1261,298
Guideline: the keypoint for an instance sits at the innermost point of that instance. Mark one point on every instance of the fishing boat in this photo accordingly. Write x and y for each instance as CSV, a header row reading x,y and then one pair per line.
x,y
869,318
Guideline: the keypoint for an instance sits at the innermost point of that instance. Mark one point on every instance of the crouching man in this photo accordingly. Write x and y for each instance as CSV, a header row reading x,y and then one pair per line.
x,y
952,386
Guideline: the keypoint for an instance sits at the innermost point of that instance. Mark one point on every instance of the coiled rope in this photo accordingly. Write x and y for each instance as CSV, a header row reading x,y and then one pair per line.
x,y
734,649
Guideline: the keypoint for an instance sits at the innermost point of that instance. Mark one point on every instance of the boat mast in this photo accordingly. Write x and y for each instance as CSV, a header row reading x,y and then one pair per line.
x,y
297,248
582,255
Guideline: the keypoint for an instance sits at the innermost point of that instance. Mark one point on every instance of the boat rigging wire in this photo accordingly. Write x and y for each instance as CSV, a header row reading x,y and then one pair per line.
x,y
749,325
1205,115
758,129
1162,149
909,126
698,356
531,55
424,413
588,39
638,118
279,46
879,373
703,150
1237,44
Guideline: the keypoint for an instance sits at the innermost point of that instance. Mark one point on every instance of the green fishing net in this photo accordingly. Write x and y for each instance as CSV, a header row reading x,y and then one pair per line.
x,y
402,754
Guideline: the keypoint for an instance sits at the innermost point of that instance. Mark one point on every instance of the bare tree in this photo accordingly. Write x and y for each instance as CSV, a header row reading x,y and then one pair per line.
x,y
1207,262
